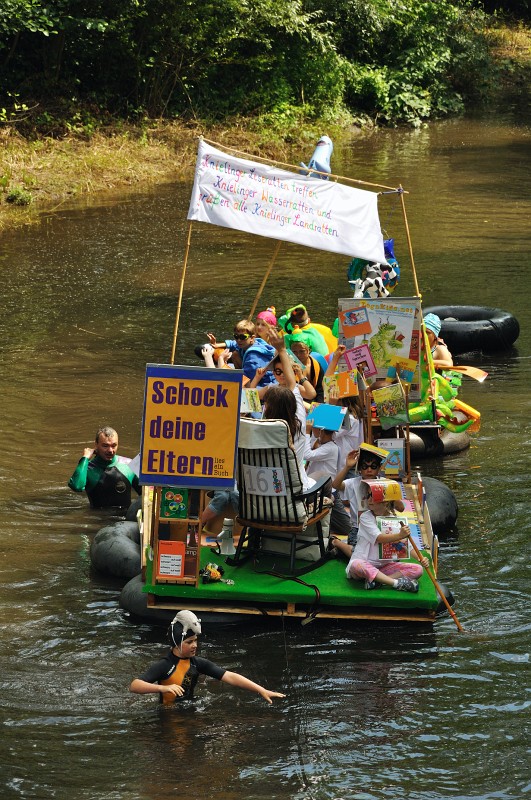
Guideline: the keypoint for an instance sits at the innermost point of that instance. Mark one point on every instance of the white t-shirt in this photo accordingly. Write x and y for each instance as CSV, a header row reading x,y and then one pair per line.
x,y
322,460
351,492
366,547
300,441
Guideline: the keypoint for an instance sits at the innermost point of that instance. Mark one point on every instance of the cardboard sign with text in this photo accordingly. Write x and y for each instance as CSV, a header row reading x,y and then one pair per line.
x,y
190,426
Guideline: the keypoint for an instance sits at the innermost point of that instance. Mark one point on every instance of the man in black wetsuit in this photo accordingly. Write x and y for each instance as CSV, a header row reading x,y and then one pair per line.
x,y
174,677
105,477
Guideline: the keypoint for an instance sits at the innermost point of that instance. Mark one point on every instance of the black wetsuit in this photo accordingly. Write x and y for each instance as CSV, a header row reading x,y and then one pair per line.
x,y
182,671
107,483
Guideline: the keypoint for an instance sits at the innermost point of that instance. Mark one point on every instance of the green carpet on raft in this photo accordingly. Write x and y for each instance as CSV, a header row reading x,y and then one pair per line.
x,y
252,584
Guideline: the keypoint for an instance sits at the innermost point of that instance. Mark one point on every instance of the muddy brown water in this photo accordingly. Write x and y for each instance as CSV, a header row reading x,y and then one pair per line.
x,y
372,711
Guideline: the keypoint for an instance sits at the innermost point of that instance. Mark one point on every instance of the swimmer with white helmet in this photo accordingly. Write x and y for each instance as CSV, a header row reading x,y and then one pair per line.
x,y
174,677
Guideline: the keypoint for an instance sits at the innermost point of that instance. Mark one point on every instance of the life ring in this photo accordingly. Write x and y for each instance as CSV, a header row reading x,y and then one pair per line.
x,y
115,550
423,443
467,329
134,600
442,506
442,608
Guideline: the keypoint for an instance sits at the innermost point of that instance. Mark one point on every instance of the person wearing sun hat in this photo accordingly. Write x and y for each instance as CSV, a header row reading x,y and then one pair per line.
x,y
174,677
441,356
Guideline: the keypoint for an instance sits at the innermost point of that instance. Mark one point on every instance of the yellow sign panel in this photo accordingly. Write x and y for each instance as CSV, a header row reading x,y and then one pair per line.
x,y
190,426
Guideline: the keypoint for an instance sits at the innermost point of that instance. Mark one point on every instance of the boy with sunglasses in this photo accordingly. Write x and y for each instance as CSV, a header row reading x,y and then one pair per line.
x,y
253,352
369,460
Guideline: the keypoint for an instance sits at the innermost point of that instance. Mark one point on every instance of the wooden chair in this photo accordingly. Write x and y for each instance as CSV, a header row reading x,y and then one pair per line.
x,y
273,505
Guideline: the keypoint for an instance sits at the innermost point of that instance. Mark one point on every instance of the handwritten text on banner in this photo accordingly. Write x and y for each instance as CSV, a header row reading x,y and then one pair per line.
x,y
267,201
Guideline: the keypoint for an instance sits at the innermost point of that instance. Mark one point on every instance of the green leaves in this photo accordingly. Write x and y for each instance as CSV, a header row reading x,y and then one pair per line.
x,y
395,60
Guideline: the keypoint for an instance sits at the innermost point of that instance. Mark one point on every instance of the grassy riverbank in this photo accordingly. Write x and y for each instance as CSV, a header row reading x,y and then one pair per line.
x,y
46,173
43,172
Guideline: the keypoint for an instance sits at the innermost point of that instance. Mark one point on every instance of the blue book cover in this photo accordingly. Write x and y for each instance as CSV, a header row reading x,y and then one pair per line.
x,y
331,418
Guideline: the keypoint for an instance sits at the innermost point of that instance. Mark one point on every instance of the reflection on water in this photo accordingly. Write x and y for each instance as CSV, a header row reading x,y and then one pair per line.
x,y
89,297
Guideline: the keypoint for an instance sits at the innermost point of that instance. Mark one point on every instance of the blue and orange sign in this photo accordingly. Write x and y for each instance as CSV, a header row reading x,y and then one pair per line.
x,y
190,427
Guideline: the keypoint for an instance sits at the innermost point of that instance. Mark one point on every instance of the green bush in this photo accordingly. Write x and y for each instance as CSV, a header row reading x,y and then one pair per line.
x,y
18,196
394,60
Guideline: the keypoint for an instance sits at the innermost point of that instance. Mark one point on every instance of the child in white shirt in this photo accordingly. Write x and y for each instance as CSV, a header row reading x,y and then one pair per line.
x,y
365,562
322,454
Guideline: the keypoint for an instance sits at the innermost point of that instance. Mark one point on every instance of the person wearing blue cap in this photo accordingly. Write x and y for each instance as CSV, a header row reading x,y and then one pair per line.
x,y
442,358
174,677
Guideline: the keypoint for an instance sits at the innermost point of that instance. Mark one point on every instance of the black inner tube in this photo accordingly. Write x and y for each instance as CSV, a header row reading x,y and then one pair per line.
x,y
466,328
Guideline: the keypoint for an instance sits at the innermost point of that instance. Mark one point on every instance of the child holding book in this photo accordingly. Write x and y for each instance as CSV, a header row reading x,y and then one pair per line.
x,y
365,561
349,437
369,460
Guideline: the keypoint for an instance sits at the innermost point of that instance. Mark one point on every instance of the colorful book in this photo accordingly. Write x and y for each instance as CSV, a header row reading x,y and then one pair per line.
x,y
171,559
328,417
250,401
360,358
392,551
173,503
404,368
376,450
391,406
395,464
355,321
341,384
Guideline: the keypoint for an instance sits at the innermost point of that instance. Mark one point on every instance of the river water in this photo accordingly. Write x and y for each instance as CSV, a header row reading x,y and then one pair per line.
x,y
372,711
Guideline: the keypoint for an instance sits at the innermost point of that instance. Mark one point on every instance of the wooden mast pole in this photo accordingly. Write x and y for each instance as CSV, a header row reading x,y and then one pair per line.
x,y
409,245
181,292
440,592
264,280
418,294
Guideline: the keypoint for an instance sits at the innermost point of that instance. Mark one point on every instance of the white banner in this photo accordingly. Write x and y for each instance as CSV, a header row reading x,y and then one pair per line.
x,y
267,201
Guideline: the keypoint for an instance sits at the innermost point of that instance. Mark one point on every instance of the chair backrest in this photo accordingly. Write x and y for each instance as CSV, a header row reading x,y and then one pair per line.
x,y
268,473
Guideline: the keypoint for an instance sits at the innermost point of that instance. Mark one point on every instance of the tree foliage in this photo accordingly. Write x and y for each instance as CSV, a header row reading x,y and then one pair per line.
x,y
394,60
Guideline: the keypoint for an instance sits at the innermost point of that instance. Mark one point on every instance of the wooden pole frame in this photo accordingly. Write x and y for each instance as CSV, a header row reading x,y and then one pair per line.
x,y
264,279
181,292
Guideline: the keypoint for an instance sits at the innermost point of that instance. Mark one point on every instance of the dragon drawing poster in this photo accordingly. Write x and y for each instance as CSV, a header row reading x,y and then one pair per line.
x,y
394,334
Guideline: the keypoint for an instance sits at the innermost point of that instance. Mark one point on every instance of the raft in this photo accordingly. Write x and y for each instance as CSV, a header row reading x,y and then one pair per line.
x,y
467,329
115,549
263,588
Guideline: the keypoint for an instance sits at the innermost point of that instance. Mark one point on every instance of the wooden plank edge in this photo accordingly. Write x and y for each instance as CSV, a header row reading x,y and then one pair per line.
x,y
388,616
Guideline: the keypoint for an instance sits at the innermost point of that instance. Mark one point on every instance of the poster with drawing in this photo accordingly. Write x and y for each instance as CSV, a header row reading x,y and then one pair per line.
x,y
394,335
